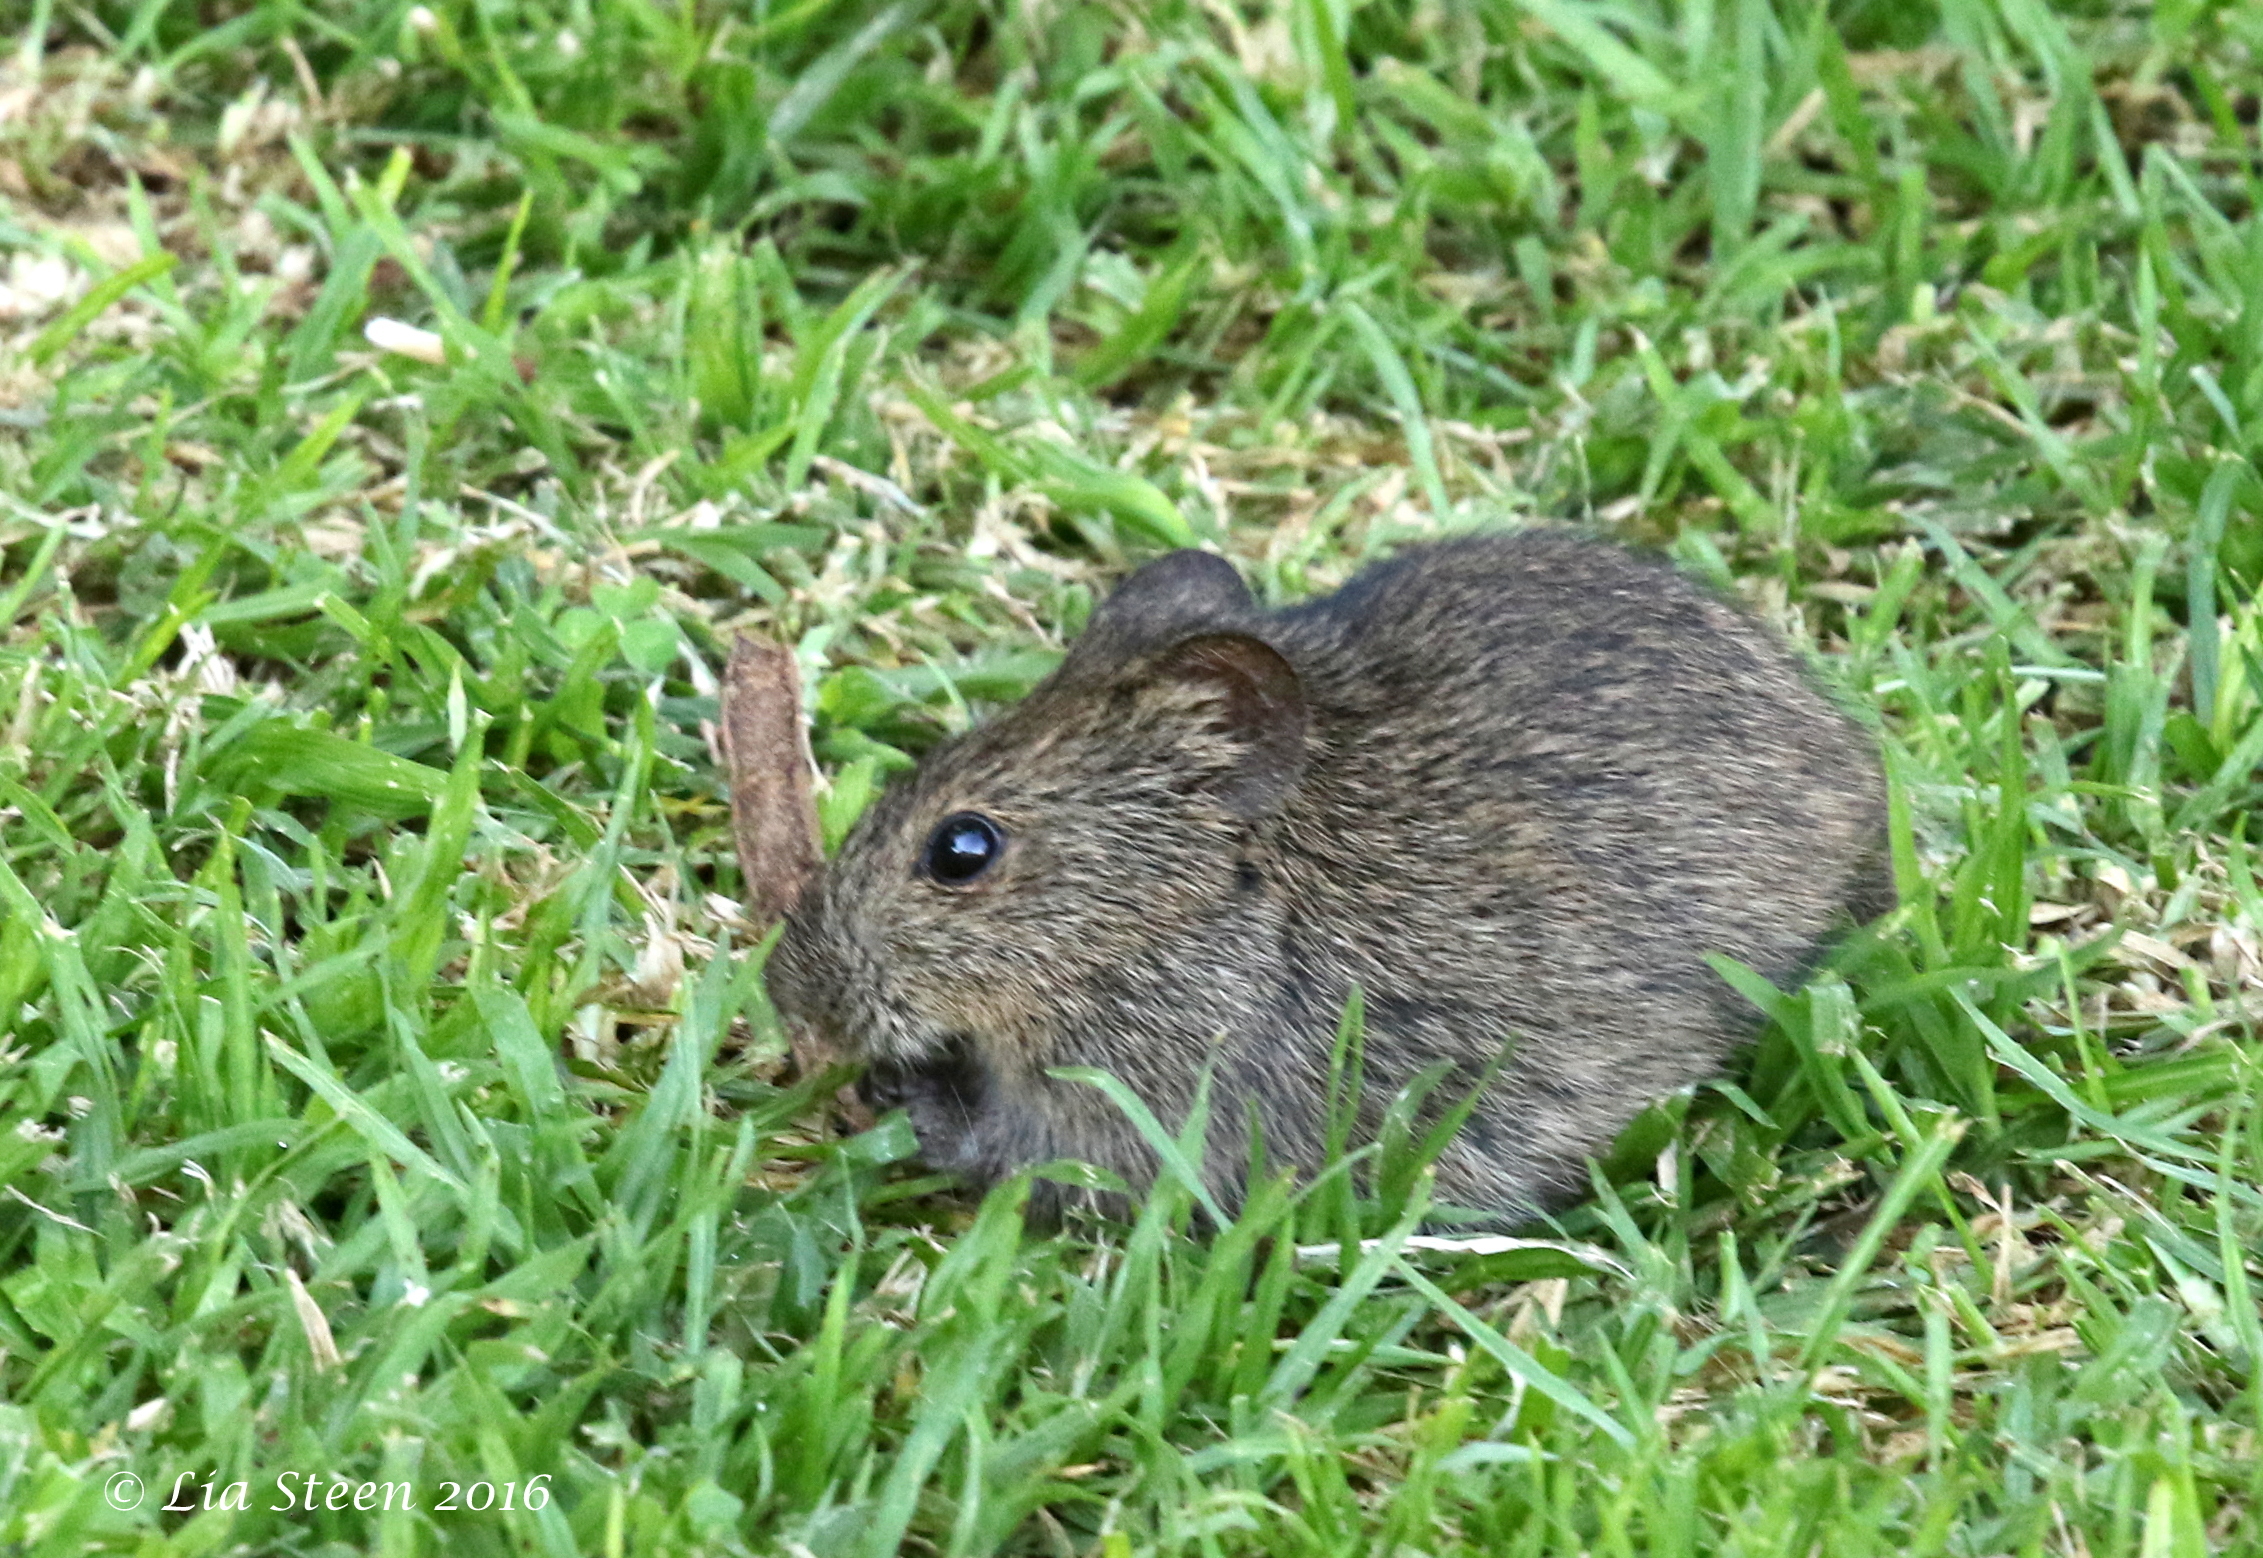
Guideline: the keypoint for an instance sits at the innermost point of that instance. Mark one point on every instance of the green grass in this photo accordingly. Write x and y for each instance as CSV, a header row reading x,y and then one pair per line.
x,y
386,1087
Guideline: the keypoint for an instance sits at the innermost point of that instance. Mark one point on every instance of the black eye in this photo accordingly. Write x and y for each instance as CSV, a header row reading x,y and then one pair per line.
x,y
962,847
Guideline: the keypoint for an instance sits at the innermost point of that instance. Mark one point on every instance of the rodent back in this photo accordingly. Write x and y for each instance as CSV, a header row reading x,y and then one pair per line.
x,y
1548,776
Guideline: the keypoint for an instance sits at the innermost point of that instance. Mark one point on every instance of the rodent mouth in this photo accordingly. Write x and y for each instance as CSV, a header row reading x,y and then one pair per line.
x,y
949,1077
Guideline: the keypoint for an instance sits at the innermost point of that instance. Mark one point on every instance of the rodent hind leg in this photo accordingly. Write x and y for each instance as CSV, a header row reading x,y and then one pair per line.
x,y
1511,1163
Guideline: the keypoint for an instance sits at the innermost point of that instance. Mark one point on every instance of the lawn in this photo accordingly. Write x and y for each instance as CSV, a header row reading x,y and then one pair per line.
x,y
402,407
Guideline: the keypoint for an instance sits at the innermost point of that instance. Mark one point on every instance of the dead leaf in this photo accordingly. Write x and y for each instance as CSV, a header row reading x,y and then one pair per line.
x,y
773,810
2155,949
313,1322
766,750
391,335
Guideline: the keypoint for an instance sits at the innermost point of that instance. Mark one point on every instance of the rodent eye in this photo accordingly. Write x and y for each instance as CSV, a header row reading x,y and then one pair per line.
x,y
962,847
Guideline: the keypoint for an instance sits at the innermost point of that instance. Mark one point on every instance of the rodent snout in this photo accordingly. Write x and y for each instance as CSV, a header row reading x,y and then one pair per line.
x,y
951,1077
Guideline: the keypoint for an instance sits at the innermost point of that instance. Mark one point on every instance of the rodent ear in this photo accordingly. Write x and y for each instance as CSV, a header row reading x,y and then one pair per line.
x,y
1177,594
1261,708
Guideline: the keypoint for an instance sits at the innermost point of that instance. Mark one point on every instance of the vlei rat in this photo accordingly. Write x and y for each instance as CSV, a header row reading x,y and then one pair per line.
x,y
1512,788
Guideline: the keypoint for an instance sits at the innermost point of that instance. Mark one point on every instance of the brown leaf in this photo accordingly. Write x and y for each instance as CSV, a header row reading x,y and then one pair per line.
x,y
773,813
766,748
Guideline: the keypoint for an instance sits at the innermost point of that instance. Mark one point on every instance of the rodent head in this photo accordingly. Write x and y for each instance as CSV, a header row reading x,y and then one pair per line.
x,y
975,905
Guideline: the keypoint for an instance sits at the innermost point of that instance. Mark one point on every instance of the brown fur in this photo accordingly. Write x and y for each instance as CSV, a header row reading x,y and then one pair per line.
x,y
1512,787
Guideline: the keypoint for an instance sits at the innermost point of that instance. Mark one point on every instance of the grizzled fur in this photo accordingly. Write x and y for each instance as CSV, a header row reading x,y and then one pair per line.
x,y
1513,788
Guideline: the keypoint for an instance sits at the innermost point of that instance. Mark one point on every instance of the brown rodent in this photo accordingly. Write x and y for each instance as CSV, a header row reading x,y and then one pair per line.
x,y
1512,787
